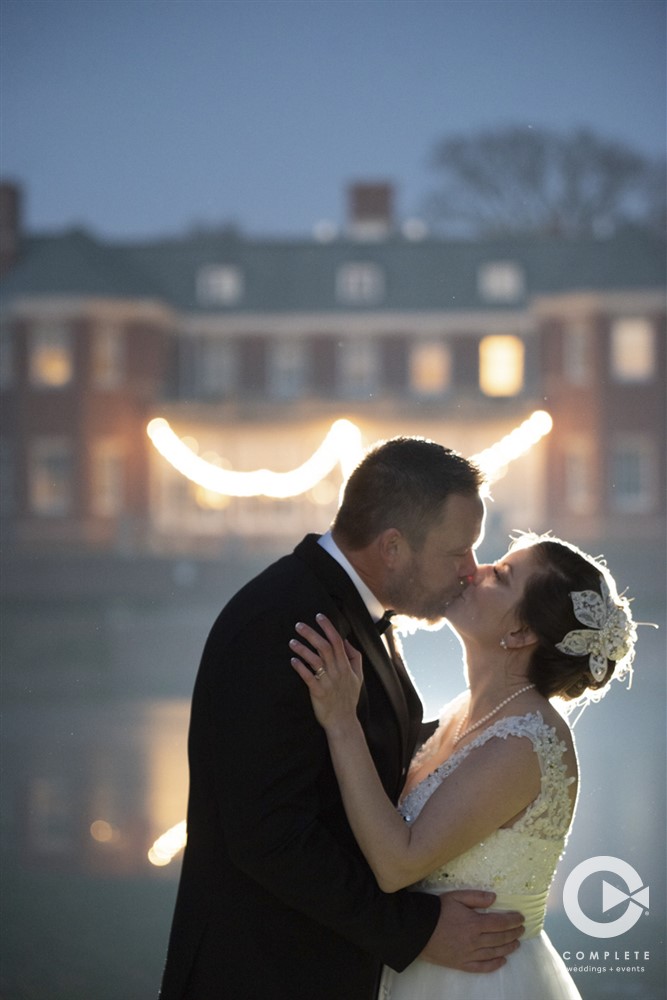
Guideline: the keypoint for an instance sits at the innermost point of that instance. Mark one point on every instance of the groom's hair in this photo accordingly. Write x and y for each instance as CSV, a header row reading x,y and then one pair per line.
x,y
402,483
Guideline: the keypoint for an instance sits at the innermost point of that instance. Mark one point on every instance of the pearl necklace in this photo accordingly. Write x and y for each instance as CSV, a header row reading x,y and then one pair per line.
x,y
458,736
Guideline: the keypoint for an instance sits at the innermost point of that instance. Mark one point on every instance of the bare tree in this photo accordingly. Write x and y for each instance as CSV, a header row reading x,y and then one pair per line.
x,y
527,180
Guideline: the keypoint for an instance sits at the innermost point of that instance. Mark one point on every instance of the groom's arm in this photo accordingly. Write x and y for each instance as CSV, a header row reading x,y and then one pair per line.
x,y
278,800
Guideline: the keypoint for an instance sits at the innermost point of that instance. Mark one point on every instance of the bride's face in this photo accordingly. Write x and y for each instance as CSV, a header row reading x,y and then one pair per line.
x,y
485,611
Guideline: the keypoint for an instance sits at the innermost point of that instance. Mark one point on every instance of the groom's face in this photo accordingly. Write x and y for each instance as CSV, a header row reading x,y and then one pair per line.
x,y
428,580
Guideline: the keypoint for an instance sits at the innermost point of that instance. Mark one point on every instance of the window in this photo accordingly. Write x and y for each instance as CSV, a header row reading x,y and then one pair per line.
x,y
577,355
51,476
108,478
578,484
216,368
632,350
632,473
108,360
360,284
501,362
500,281
430,368
51,362
359,369
220,284
286,372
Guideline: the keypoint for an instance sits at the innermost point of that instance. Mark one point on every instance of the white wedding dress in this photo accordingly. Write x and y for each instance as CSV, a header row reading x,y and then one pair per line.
x,y
518,864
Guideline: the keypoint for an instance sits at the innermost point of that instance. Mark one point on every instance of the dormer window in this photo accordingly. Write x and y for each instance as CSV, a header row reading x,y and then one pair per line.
x,y
500,281
220,285
360,284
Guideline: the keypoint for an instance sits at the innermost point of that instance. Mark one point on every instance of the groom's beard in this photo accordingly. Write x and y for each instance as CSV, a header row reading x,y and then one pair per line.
x,y
408,596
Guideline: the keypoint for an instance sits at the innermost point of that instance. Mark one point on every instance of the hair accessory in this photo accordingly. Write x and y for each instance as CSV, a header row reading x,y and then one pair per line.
x,y
610,632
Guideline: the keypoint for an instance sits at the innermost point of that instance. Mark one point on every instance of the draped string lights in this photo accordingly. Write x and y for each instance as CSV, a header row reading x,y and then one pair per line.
x,y
341,446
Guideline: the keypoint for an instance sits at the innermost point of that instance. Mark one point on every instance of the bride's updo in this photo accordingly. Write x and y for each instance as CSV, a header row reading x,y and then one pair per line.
x,y
585,631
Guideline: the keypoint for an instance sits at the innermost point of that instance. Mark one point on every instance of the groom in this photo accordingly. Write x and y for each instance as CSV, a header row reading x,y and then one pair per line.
x,y
275,900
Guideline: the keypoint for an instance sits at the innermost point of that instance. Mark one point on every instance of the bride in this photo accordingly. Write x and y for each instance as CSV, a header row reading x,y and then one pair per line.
x,y
489,799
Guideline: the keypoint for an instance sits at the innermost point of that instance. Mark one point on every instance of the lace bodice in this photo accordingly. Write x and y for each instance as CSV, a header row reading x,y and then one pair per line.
x,y
519,860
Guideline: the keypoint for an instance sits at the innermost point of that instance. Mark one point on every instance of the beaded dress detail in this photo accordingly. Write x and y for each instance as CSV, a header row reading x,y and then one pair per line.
x,y
519,859
517,863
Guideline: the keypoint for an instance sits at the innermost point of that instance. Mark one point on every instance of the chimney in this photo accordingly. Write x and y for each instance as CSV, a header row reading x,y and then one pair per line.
x,y
10,211
370,210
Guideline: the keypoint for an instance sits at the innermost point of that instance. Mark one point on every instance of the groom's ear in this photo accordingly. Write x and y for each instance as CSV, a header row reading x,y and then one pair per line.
x,y
390,545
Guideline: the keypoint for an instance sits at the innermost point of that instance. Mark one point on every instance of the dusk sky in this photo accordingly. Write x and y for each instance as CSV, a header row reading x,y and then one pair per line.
x,y
137,118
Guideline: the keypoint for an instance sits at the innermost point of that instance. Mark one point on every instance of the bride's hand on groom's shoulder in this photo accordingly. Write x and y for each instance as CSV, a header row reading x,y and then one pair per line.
x,y
331,668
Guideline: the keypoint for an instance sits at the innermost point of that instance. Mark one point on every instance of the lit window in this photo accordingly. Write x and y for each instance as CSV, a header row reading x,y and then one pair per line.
x,y
286,373
577,359
108,357
360,284
359,368
51,361
578,478
430,368
500,281
51,476
220,284
108,478
632,350
632,474
501,365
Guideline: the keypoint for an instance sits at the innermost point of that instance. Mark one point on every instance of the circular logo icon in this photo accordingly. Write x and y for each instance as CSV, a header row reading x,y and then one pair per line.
x,y
636,897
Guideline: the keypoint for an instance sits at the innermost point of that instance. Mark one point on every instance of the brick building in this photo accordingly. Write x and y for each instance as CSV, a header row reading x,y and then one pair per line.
x,y
114,562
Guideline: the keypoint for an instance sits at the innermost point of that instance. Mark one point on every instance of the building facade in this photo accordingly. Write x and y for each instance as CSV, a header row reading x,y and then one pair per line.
x,y
253,348
114,561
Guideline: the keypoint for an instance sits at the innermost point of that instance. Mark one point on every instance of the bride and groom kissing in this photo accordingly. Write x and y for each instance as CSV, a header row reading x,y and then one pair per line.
x,y
301,877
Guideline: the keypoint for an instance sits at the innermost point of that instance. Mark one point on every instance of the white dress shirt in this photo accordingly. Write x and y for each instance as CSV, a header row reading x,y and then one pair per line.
x,y
375,609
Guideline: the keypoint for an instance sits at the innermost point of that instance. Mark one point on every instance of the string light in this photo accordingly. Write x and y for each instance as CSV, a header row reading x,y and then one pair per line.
x,y
493,461
168,845
341,446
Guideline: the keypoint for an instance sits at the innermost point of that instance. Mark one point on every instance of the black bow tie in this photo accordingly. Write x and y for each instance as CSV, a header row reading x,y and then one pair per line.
x,y
382,624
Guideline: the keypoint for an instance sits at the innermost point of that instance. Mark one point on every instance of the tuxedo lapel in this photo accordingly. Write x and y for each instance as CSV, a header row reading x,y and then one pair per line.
x,y
389,669
415,708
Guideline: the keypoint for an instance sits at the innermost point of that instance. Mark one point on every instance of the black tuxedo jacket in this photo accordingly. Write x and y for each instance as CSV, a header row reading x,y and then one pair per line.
x,y
276,901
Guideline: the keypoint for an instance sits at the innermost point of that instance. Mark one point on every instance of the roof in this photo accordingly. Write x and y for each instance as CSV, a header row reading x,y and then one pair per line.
x,y
300,275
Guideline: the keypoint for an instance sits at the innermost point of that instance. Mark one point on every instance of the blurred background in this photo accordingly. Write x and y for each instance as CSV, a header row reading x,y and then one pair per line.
x,y
261,236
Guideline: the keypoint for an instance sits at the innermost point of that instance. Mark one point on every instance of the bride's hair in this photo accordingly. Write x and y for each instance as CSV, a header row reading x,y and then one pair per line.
x,y
402,483
547,609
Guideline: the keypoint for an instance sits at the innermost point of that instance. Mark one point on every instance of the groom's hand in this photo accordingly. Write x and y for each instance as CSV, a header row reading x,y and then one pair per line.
x,y
469,941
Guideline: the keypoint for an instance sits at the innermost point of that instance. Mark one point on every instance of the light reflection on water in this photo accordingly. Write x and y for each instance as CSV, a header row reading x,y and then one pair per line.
x,y
121,767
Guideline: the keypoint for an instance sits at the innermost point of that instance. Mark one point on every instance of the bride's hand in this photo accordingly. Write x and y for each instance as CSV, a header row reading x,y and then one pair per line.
x,y
332,670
